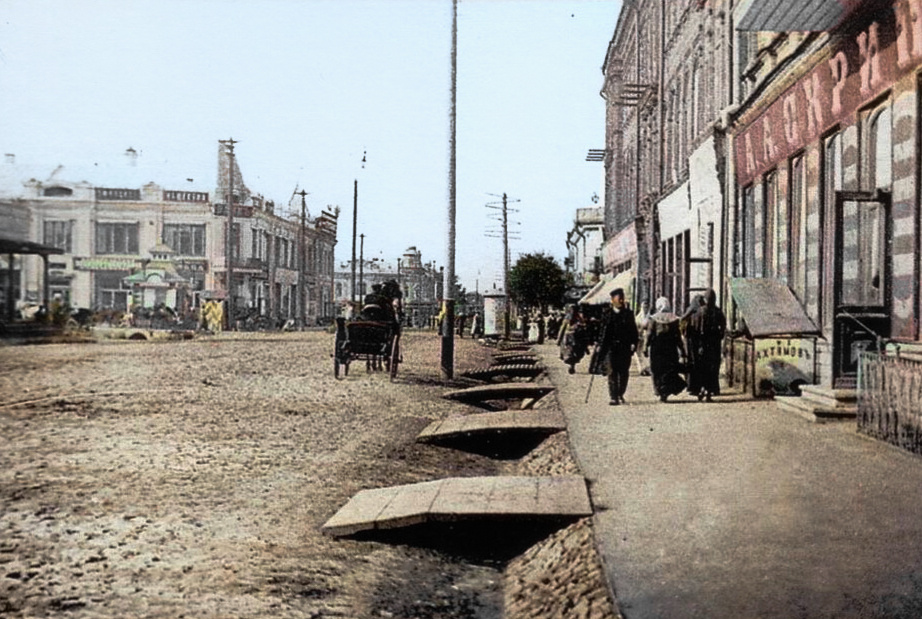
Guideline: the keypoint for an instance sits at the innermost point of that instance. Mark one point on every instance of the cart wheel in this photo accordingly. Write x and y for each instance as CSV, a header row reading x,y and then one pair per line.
x,y
395,357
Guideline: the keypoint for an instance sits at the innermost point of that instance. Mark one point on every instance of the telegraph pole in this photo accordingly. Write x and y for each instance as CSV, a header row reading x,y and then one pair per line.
x,y
505,236
355,223
361,266
302,314
229,241
355,219
448,331
506,310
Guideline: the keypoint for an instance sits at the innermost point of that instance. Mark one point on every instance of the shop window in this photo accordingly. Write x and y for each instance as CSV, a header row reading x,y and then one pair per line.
x,y
185,239
775,250
59,234
798,231
110,292
880,150
117,238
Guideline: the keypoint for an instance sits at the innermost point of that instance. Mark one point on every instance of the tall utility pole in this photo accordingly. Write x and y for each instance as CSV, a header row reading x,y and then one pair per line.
x,y
448,331
355,223
362,266
302,313
505,236
506,311
229,240
355,220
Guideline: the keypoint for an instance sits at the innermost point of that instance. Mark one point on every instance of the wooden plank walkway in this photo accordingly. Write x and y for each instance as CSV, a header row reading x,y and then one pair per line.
x,y
501,391
482,423
461,498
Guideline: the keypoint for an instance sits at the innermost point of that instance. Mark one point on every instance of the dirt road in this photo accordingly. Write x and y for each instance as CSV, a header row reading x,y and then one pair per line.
x,y
191,478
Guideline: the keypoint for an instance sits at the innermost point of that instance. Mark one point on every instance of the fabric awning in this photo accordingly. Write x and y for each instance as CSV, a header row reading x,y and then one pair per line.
x,y
769,308
600,294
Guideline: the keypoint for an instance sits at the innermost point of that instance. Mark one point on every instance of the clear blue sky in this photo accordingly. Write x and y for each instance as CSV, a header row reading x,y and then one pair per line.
x,y
307,86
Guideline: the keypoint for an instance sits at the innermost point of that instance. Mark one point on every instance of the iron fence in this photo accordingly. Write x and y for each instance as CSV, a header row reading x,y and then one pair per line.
x,y
890,398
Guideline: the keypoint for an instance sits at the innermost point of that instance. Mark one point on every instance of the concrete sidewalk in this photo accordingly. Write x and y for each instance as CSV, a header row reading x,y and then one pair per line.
x,y
735,509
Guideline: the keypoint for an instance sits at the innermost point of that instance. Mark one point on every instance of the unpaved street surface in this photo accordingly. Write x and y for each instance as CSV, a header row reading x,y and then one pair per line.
x,y
143,479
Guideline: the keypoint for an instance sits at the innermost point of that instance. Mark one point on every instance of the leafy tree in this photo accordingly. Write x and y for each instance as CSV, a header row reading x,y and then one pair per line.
x,y
536,280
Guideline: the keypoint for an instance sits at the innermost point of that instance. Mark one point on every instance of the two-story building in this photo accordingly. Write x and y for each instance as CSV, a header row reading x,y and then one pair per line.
x,y
134,236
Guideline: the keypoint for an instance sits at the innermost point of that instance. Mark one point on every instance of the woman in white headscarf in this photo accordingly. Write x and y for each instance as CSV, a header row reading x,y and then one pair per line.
x,y
665,349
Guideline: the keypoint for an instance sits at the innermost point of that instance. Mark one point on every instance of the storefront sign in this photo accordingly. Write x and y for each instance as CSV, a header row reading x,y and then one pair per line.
x,y
620,248
860,67
782,364
185,196
106,193
105,264
191,266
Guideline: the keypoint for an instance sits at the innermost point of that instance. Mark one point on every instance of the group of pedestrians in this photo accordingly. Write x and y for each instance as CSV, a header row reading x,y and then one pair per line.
x,y
684,353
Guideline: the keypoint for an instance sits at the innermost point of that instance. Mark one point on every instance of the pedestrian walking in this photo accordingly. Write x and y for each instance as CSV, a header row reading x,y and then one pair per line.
x,y
615,347
693,367
640,319
666,350
705,334
572,339
477,326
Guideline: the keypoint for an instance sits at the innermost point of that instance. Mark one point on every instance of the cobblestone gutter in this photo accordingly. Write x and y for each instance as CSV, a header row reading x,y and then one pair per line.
x,y
561,576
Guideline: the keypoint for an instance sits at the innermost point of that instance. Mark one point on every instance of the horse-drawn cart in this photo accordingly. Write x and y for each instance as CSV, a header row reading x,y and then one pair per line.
x,y
373,336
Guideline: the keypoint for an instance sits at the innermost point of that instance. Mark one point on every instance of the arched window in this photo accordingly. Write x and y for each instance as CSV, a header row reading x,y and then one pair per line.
x,y
57,192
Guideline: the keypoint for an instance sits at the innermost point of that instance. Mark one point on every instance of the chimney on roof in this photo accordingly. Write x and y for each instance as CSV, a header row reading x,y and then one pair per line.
x,y
9,158
132,156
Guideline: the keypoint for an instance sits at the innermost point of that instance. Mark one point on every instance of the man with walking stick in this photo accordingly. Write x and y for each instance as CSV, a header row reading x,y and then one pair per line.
x,y
615,348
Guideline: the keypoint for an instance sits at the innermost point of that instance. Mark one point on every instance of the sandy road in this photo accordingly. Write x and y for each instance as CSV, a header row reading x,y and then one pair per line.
x,y
190,478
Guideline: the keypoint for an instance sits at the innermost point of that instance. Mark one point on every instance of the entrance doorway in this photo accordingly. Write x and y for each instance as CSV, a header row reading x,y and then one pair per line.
x,y
862,279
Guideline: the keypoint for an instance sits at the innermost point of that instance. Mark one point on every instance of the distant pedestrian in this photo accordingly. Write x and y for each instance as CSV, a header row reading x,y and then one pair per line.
x,y
462,320
573,339
640,319
615,347
665,349
477,326
693,367
705,334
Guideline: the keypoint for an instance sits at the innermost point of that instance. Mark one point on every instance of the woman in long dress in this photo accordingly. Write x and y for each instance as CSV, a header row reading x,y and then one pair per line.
x,y
665,349
705,332
694,367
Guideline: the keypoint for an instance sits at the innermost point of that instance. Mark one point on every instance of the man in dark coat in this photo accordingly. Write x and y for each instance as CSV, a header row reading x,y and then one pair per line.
x,y
615,347
705,332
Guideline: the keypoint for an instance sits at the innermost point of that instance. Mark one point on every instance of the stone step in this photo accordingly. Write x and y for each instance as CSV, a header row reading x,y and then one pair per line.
x,y
826,397
814,412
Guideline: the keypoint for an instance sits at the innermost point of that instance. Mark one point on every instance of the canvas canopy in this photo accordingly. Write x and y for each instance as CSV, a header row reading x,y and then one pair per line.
x,y
600,294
